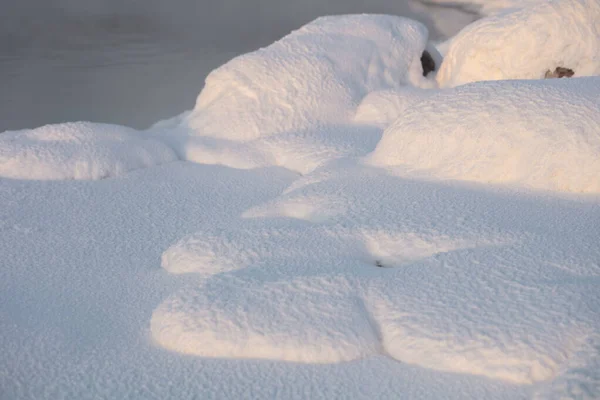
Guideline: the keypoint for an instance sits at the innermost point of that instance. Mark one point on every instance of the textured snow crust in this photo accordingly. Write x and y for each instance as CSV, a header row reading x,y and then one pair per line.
x,y
539,134
525,43
365,235
78,150
272,106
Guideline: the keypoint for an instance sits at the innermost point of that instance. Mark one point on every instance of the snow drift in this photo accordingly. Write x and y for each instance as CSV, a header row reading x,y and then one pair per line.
x,y
525,43
540,134
280,105
78,150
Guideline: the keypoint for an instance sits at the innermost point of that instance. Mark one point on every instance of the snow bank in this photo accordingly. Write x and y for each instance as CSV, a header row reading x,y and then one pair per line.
x,y
540,134
291,91
78,150
525,43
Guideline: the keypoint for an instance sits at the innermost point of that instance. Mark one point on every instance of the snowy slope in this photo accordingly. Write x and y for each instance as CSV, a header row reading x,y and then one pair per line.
x,y
336,227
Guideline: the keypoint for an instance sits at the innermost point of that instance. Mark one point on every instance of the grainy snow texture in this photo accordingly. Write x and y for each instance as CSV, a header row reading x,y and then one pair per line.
x,y
78,150
525,43
272,106
541,134
338,228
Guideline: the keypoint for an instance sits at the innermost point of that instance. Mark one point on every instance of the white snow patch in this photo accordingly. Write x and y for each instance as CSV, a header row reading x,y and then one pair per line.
x,y
78,150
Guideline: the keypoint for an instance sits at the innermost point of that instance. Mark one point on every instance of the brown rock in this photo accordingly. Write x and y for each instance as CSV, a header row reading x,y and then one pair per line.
x,y
560,72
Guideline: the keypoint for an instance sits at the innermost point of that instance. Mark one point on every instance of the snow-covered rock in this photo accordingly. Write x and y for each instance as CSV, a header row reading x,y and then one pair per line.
x,y
540,134
526,42
317,74
285,96
78,150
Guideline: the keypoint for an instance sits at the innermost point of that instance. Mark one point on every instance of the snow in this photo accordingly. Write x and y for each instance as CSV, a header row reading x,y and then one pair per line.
x,y
485,7
271,106
78,150
525,43
336,227
382,107
539,134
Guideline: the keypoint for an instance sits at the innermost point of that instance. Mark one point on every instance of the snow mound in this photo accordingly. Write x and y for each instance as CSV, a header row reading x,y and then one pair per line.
x,y
308,320
278,101
317,73
78,150
525,43
539,134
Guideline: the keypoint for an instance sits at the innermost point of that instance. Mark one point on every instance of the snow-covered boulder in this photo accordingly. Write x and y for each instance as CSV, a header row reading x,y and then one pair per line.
x,y
78,150
316,75
539,134
293,103
525,43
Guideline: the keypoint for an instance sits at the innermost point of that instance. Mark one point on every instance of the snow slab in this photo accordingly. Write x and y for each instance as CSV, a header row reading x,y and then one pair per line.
x,y
313,249
78,150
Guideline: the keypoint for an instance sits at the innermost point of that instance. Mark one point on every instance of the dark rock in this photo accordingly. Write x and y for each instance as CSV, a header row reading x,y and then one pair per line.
x,y
560,72
427,63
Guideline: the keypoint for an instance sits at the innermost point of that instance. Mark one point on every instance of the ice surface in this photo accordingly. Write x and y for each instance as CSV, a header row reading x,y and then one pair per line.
x,y
526,42
366,235
78,150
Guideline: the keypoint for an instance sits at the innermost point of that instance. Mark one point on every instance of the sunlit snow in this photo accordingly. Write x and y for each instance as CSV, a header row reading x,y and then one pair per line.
x,y
326,222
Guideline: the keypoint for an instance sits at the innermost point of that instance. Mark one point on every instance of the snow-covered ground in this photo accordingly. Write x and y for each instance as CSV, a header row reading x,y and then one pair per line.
x,y
326,222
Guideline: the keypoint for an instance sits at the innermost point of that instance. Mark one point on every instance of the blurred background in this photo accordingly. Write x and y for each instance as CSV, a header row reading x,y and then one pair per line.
x,y
136,62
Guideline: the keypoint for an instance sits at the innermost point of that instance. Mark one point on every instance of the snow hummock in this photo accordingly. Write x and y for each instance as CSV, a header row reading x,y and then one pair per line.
x,y
78,150
271,106
525,43
364,235
540,134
